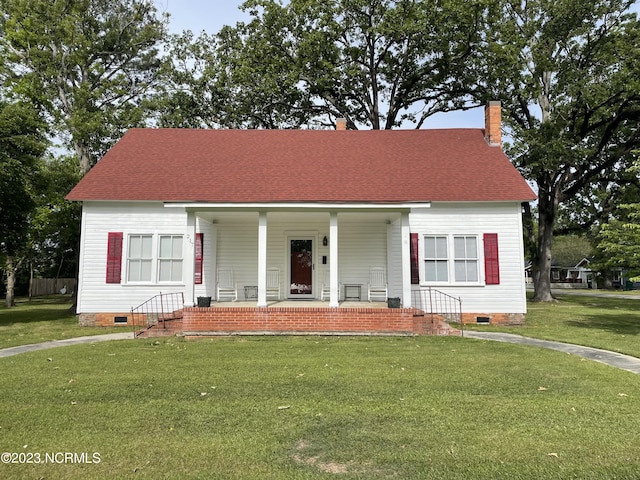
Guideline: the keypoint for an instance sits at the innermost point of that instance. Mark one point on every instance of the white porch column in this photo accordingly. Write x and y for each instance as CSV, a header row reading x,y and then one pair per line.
x,y
406,261
334,295
189,255
262,259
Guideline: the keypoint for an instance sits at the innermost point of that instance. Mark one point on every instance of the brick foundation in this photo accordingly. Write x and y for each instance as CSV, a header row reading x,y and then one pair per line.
x,y
197,321
494,318
108,319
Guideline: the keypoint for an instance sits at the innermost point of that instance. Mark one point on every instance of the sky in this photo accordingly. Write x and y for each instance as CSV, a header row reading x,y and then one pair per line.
x,y
198,15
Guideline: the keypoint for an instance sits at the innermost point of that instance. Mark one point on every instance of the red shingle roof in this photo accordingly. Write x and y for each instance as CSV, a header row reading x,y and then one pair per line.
x,y
273,166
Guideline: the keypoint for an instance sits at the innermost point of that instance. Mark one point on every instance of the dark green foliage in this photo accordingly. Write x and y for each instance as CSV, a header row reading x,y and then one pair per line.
x,y
21,146
86,63
376,63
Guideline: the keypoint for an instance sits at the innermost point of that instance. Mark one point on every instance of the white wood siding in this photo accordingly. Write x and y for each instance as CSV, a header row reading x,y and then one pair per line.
x,y
94,294
365,240
501,218
362,245
237,249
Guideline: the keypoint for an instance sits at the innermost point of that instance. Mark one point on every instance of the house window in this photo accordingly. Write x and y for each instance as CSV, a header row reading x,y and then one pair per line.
x,y
458,259
140,258
436,258
465,252
170,258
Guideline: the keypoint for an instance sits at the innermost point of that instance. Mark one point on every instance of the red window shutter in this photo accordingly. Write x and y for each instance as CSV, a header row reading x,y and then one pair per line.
x,y
415,264
114,257
491,261
197,277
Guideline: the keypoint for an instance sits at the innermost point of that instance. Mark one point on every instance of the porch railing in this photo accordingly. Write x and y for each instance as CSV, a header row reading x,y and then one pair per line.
x,y
432,302
157,311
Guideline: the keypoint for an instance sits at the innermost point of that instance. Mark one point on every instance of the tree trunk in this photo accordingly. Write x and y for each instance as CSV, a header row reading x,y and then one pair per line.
x,y
84,157
10,300
30,281
547,209
542,261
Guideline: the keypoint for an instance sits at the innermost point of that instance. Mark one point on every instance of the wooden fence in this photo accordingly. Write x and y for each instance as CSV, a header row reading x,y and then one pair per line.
x,y
51,286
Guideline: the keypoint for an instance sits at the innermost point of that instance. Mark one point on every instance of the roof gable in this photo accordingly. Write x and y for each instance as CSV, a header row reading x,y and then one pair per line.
x,y
273,166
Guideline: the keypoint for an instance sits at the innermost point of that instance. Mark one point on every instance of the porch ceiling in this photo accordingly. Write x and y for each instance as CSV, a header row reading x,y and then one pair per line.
x,y
298,216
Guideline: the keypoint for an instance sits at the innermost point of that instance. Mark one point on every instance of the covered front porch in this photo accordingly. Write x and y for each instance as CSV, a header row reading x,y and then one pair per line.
x,y
315,253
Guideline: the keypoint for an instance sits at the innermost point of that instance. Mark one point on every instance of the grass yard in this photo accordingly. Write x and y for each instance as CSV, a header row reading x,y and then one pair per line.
x,y
322,407
594,320
41,320
316,407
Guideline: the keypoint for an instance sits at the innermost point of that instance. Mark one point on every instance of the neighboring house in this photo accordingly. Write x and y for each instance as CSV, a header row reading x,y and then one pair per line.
x,y
578,276
582,276
168,210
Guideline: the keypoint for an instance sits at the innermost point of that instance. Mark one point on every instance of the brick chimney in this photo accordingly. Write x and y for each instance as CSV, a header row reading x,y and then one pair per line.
x,y
341,123
493,124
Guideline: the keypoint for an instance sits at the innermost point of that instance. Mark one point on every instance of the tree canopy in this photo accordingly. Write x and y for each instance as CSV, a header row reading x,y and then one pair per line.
x,y
377,63
88,64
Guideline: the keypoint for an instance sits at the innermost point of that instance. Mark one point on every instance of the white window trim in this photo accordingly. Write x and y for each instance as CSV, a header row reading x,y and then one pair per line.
x,y
155,259
451,259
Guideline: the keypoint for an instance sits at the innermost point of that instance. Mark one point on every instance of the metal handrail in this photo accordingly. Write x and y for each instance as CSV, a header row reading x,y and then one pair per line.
x,y
159,308
434,302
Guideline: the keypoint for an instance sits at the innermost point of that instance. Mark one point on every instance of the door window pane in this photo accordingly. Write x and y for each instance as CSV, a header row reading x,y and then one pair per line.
x,y
301,267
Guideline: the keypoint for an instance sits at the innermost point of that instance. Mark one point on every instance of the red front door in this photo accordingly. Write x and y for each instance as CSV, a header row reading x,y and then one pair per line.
x,y
301,264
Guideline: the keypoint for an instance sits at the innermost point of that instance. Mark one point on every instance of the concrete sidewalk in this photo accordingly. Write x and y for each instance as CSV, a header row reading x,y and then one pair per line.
x,y
7,352
618,360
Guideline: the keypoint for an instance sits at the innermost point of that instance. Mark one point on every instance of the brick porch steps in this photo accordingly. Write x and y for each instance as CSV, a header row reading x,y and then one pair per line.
x,y
222,321
165,328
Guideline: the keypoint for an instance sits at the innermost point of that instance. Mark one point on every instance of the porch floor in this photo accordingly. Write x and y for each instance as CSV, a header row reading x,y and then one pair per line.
x,y
297,304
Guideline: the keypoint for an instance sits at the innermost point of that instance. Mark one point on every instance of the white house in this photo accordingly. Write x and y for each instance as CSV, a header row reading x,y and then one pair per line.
x,y
304,214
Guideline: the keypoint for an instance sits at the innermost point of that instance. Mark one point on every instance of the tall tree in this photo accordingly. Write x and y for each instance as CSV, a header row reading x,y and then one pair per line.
x,y
568,74
87,63
56,222
377,63
22,145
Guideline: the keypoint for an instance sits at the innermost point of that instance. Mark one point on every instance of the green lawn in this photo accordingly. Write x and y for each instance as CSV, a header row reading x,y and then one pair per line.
x,y
41,320
322,407
594,321
315,407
